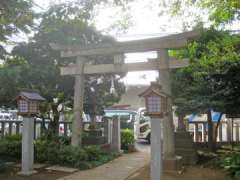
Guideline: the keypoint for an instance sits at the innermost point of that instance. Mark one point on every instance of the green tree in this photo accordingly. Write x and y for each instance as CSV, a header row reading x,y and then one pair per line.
x,y
208,79
218,11
60,26
15,16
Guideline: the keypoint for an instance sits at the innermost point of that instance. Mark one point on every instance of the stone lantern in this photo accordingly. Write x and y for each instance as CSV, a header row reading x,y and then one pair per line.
x,y
28,105
156,107
155,101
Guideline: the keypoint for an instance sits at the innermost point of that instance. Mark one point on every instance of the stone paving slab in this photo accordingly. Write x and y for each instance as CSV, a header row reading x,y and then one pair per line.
x,y
118,169
62,169
35,166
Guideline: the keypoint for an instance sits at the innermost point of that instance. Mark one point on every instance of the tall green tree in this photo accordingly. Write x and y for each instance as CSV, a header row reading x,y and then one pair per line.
x,y
205,84
219,12
61,25
16,16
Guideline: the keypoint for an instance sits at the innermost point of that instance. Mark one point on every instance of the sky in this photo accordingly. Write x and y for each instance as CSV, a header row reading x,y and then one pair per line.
x,y
147,20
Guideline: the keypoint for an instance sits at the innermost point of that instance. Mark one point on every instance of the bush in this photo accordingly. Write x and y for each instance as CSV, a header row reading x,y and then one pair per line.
x,y
10,149
2,166
127,138
56,152
232,164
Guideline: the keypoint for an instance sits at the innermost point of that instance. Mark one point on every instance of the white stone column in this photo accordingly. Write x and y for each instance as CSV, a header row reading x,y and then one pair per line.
x,y
27,147
195,132
116,135
77,126
203,133
168,129
156,149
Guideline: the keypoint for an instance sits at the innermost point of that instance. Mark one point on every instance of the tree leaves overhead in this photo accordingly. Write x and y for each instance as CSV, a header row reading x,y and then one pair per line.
x,y
63,24
218,11
15,16
211,79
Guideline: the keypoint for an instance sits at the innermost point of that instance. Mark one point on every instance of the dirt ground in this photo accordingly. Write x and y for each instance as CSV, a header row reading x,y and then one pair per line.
x,y
11,174
190,173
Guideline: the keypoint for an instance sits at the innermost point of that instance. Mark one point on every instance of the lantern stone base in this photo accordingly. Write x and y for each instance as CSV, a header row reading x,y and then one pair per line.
x,y
172,164
27,173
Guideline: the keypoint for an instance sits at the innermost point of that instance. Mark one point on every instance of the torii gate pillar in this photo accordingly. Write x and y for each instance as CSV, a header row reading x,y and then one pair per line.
x,y
170,161
78,103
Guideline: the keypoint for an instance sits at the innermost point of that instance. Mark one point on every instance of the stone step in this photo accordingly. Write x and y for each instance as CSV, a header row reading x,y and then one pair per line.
x,y
182,135
184,144
186,148
189,160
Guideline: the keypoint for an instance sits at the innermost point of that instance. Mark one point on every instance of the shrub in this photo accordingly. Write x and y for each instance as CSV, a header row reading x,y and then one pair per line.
x,y
127,138
10,149
94,152
54,152
232,164
2,166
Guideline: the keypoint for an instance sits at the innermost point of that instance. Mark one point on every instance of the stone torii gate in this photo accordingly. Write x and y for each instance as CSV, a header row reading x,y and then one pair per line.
x,y
163,63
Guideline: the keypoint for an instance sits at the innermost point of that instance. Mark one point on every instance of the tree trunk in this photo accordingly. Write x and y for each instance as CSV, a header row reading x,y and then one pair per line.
x,y
181,125
216,133
210,131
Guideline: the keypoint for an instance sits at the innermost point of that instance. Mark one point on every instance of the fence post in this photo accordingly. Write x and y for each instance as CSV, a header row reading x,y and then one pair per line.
x,y
10,128
195,132
3,129
237,132
229,131
203,133
65,128
17,128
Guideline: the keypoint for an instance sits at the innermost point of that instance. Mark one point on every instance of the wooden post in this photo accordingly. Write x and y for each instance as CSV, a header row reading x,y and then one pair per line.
x,y
78,104
168,129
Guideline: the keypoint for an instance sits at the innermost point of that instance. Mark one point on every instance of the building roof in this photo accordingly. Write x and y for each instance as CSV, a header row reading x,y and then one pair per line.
x,y
31,95
155,88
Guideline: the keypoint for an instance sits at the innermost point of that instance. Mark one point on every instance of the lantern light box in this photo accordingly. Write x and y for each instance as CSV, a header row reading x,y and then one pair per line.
x,y
155,100
28,102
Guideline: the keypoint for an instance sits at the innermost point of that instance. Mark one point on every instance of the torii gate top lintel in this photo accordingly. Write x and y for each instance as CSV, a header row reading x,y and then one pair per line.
x,y
151,44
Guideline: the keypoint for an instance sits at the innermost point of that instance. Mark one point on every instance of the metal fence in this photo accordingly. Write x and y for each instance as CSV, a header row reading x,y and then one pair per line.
x,y
228,131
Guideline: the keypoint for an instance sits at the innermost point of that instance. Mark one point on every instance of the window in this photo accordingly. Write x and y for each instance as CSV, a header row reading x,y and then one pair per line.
x,y
33,106
154,104
23,106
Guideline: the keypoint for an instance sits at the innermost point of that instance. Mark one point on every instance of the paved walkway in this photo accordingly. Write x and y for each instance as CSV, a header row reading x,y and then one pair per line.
x,y
118,169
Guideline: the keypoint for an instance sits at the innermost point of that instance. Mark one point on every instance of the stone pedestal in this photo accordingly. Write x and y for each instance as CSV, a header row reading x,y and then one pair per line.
x,y
172,164
27,147
156,149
